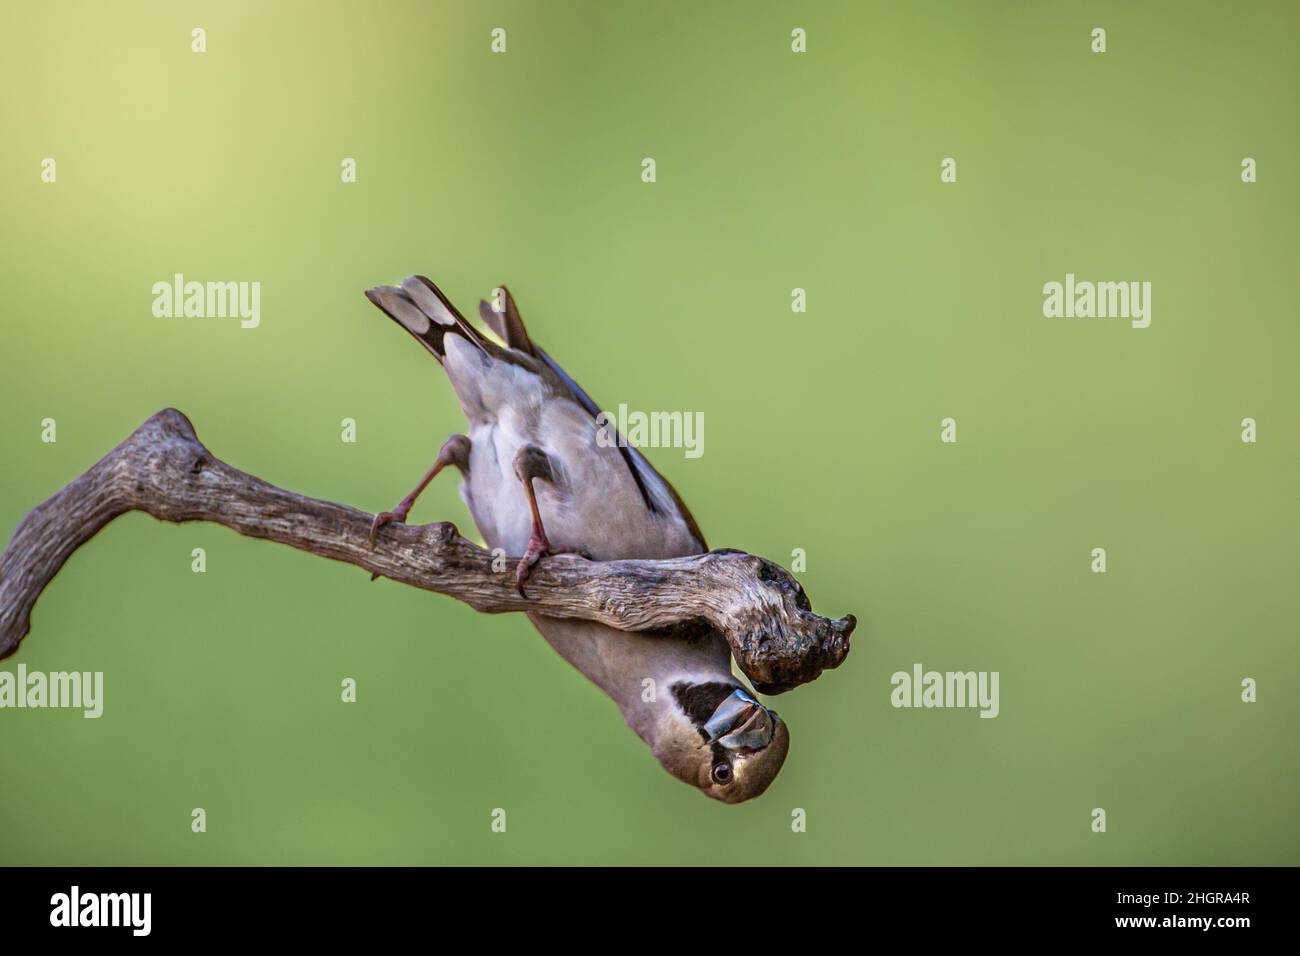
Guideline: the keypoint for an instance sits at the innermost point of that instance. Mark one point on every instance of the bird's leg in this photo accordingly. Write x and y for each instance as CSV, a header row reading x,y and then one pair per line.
x,y
454,451
530,463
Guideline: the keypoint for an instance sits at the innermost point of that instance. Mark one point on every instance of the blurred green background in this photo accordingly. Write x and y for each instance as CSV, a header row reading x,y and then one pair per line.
x,y
775,171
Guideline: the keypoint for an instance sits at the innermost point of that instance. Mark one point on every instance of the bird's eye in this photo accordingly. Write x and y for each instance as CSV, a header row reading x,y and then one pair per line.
x,y
721,774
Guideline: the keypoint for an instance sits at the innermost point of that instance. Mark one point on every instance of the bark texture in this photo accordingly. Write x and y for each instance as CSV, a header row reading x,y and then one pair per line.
x,y
164,470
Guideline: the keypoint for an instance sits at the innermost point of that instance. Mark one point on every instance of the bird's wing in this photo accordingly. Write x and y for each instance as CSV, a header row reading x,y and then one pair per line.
x,y
659,494
429,316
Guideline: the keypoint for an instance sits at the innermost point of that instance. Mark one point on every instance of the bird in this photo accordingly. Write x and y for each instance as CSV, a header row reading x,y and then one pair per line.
x,y
540,477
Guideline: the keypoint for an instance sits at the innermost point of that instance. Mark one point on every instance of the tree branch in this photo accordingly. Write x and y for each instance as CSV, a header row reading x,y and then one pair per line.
x,y
164,470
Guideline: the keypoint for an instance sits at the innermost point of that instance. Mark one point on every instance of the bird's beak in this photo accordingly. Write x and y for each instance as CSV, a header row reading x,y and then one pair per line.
x,y
741,723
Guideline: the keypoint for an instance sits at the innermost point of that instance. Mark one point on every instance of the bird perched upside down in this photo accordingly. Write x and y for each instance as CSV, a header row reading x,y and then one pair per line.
x,y
538,481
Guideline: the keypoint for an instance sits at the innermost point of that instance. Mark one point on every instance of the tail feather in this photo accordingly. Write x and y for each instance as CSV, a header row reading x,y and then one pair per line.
x,y
508,323
420,307
429,301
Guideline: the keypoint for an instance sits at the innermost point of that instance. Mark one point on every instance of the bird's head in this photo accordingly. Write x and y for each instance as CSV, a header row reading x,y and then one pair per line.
x,y
718,738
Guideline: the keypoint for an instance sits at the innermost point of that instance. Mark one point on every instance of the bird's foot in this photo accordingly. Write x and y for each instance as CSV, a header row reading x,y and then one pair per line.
x,y
385,517
538,548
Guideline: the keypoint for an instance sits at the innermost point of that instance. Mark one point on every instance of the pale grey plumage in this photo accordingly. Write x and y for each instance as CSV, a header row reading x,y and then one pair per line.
x,y
604,501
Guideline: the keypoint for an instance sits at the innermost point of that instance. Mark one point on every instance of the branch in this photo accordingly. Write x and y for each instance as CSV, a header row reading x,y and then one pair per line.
x,y
164,470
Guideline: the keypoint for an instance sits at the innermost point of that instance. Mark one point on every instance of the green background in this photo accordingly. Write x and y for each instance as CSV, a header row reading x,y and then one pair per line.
x,y
775,171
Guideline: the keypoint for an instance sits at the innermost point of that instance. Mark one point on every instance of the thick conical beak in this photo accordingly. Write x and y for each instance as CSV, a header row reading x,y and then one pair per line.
x,y
741,723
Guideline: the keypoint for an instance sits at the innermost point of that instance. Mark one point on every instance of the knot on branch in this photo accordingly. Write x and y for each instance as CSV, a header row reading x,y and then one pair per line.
x,y
780,642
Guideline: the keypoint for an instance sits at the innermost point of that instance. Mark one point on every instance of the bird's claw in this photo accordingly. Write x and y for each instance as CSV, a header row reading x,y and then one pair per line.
x,y
383,518
538,548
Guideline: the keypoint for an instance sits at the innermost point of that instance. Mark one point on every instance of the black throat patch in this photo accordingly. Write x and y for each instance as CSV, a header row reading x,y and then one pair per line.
x,y
699,701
